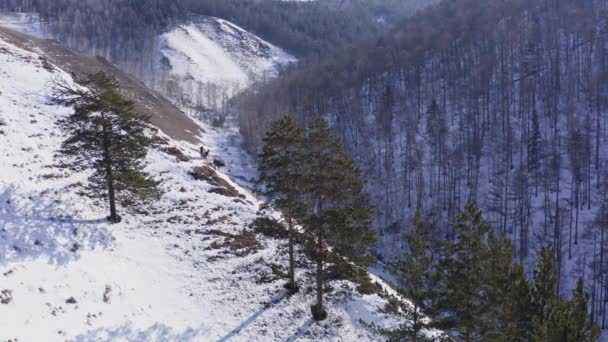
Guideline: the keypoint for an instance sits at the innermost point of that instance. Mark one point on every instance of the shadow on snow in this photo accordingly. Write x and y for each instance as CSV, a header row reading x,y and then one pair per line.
x,y
275,300
157,332
38,228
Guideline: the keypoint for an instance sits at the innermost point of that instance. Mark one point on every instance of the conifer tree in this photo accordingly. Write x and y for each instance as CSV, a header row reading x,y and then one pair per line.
x,y
463,304
340,216
580,327
106,135
556,318
281,180
544,290
412,272
509,295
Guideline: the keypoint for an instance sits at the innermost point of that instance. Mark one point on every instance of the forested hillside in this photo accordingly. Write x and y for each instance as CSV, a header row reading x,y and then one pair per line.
x,y
181,256
303,28
504,103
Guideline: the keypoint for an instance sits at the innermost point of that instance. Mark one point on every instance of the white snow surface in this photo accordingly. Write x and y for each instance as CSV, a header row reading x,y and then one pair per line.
x,y
213,50
159,275
23,22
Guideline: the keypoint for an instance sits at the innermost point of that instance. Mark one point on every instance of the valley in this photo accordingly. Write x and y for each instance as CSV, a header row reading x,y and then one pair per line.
x,y
473,134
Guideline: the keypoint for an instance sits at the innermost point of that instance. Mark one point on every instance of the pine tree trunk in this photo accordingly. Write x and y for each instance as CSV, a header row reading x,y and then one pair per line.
x,y
107,160
320,311
416,324
292,279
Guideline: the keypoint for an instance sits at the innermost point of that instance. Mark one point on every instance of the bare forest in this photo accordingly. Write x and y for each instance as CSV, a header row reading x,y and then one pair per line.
x,y
504,103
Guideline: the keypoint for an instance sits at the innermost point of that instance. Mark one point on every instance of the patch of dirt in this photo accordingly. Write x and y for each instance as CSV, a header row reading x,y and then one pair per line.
x,y
177,153
6,296
241,244
161,112
220,185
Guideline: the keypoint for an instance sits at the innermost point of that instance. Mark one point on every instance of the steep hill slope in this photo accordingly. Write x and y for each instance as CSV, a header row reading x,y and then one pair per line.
x,y
186,268
161,112
205,63
504,103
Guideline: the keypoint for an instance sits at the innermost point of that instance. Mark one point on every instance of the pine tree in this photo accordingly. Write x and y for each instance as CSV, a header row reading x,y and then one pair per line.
x,y
340,216
412,272
580,327
544,291
109,137
464,304
280,178
556,318
509,295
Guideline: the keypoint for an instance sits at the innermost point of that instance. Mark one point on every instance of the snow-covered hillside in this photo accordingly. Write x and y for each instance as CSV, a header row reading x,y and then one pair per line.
x,y
23,22
220,51
187,268
209,60
203,65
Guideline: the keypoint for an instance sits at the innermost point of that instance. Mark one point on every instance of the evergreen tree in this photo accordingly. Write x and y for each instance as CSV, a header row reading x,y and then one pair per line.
x,y
556,318
544,290
509,295
463,305
280,178
108,136
580,327
412,272
340,216
567,320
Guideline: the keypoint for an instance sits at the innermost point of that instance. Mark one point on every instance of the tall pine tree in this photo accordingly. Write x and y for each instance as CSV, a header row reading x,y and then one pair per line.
x,y
556,318
281,179
109,137
340,216
412,273
508,317
463,305
580,327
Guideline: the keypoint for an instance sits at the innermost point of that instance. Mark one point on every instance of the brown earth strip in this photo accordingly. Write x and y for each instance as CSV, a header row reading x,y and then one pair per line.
x,y
164,115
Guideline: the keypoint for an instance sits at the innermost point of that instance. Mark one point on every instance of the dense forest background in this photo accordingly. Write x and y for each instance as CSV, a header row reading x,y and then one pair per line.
x,y
504,103
307,29
501,102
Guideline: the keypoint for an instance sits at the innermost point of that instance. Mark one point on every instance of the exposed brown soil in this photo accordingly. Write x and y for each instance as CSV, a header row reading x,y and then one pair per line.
x,y
162,113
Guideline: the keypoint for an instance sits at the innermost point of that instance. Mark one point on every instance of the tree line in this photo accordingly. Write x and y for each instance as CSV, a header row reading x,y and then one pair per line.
x,y
117,29
468,286
471,288
503,103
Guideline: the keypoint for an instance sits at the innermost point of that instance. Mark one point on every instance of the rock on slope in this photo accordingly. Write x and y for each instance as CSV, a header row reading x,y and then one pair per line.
x,y
182,269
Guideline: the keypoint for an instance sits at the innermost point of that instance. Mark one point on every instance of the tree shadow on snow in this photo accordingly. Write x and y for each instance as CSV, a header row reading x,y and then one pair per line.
x,y
301,331
38,228
275,300
157,332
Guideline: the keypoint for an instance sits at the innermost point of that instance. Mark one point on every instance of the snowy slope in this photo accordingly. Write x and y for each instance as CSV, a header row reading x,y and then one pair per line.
x,y
203,65
217,51
206,62
166,273
23,22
